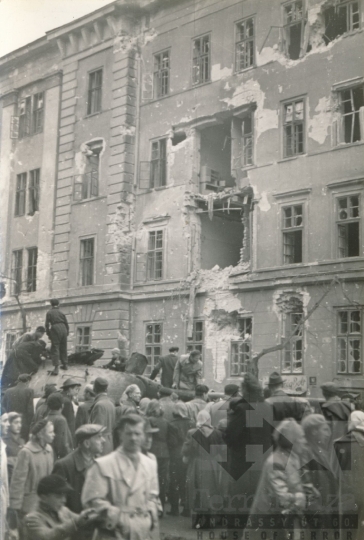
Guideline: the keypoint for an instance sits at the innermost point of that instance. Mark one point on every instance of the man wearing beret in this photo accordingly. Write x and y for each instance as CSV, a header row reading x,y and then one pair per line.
x,y
20,399
52,520
198,403
90,441
103,413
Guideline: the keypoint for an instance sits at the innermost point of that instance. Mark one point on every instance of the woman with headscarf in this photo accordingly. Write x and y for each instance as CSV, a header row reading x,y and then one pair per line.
x,y
179,427
159,448
349,450
249,425
200,452
13,441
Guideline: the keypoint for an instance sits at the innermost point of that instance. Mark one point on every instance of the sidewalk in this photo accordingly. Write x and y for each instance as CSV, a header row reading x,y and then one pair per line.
x,y
176,528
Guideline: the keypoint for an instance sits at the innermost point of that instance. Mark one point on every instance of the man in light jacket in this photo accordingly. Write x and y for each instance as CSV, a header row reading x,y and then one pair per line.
x,y
102,413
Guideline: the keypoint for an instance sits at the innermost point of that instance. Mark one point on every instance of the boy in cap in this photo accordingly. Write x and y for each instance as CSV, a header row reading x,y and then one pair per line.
x,y
90,442
20,399
57,329
103,412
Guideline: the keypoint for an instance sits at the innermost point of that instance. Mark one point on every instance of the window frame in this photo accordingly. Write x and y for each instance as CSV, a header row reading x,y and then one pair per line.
x,y
239,344
7,350
194,344
90,106
348,4
152,345
293,123
32,269
16,272
293,229
25,119
338,223
292,344
158,74
81,347
347,336
355,114
82,262
246,148
294,22
208,55
154,251
33,191
37,113
21,194
160,164
238,42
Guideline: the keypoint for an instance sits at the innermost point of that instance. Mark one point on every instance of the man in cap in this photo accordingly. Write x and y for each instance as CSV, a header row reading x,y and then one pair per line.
x,y
90,442
117,362
20,399
336,411
83,411
218,409
62,443
166,364
283,405
57,330
198,402
187,371
102,412
70,389
29,336
125,484
52,520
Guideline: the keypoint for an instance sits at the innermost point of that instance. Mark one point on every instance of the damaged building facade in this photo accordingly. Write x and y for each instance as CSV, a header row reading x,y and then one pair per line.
x,y
209,184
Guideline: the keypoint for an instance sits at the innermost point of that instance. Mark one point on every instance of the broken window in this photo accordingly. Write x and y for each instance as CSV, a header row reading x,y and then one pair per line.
x,y
20,195
247,140
349,341
17,271
244,46
292,234
215,158
87,261
348,223
240,355
153,345
33,191
340,18
38,108
31,115
293,29
94,92
161,74
352,115
201,60
32,269
195,342
155,255
293,350
293,128
25,115
83,338
158,165
86,185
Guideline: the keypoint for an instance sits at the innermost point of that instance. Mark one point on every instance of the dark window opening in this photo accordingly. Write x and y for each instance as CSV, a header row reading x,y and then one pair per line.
x,y
244,46
341,18
94,92
155,255
240,357
38,110
215,158
153,345
293,28
348,216
161,74
87,261
25,115
222,239
33,191
83,338
158,165
32,269
349,341
292,234
352,101
195,342
20,195
201,60
293,127
17,272
178,138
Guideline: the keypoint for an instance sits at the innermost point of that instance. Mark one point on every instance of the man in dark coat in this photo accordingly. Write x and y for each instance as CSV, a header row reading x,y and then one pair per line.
x,y
70,390
73,468
167,365
26,359
62,443
283,405
29,336
57,330
336,412
20,399
103,413
83,411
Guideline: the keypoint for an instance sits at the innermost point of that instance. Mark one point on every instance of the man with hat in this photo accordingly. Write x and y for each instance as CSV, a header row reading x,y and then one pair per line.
x,y
218,409
283,405
198,402
125,484
102,412
20,399
52,520
90,442
57,329
117,362
62,443
336,411
83,411
70,389
166,364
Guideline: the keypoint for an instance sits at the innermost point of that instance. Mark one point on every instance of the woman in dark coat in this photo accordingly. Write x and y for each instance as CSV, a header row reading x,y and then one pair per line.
x,y
203,471
159,446
249,426
13,441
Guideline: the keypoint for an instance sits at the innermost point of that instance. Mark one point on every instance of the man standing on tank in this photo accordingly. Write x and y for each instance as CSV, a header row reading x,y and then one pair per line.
x,y
57,330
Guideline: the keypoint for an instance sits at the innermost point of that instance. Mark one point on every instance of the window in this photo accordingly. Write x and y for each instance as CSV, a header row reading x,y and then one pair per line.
x,y
348,222
33,191
241,349
293,128
17,271
195,342
247,141
25,115
155,255
293,28
153,348
158,170
83,338
38,108
340,18
201,60
292,234
9,342
94,92
349,341
20,195
161,74
87,261
293,351
244,46
32,269
86,185
352,105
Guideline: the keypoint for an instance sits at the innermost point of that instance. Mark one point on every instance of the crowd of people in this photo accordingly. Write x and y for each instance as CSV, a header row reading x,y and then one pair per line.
x,y
96,469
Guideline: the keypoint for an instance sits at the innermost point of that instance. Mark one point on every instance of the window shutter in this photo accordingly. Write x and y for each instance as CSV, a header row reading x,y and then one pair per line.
x,y
305,38
361,121
335,132
144,175
94,183
14,127
205,175
77,188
